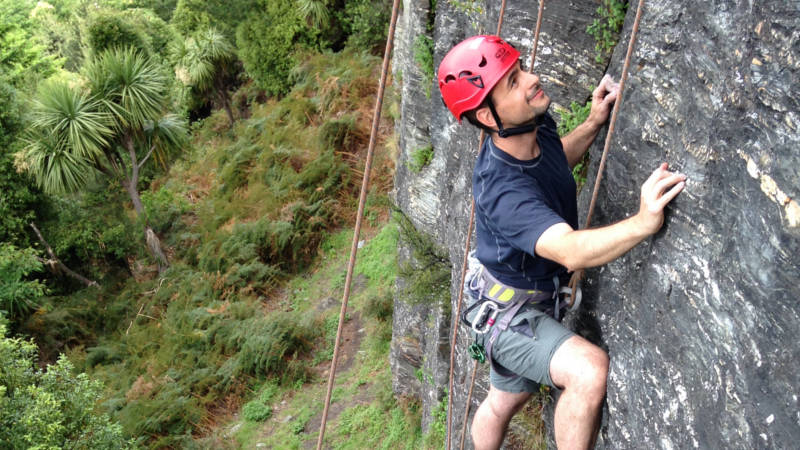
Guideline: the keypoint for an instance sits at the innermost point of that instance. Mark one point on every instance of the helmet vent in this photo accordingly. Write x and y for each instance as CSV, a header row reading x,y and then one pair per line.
x,y
449,78
483,62
464,73
476,81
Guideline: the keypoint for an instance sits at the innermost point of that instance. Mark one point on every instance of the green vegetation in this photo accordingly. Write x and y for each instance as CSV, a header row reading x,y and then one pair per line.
x,y
206,67
423,51
253,216
605,29
112,127
50,408
366,23
267,40
420,158
570,119
435,438
17,293
473,9
370,414
423,55
427,275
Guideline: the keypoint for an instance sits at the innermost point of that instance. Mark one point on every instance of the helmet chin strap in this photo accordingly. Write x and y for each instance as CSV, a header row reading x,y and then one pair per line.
x,y
506,132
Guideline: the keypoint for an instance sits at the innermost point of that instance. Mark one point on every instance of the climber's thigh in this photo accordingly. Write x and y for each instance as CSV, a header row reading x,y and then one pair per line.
x,y
525,349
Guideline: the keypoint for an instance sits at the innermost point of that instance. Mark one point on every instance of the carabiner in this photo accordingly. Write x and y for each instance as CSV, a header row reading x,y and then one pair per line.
x,y
490,316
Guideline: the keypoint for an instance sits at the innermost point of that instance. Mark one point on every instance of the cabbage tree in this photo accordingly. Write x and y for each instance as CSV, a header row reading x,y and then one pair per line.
x,y
110,125
206,65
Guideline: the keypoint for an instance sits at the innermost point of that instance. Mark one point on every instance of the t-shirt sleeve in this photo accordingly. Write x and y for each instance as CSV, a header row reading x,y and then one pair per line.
x,y
519,214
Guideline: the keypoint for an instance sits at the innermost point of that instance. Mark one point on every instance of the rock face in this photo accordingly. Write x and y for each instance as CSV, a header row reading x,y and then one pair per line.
x,y
701,320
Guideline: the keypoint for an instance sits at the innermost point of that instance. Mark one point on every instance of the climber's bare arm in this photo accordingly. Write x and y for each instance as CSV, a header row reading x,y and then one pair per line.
x,y
579,249
578,140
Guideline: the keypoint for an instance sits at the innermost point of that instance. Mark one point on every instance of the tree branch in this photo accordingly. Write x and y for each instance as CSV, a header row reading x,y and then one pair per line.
x,y
152,147
55,261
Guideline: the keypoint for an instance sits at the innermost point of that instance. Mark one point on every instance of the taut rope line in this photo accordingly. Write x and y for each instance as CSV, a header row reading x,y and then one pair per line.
x,y
578,274
376,117
472,217
463,276
464,263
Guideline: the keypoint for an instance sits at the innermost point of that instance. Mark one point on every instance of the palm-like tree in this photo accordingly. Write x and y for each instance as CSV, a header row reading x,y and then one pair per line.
x,y
206,64
315,12
111,125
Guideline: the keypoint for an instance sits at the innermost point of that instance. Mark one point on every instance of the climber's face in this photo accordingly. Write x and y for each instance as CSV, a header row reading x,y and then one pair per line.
x,y
519,98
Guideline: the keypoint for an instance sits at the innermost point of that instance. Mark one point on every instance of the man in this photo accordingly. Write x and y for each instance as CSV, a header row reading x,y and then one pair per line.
x,y
527,238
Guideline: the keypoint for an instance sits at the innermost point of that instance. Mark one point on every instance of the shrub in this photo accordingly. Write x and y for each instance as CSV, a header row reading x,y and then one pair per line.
x,y
570,119
266,42
109,29
427,275
606,28
235,164
423,55
271,346
190,16
90,228
164,209
420,158
256,411
49,408
337,134
366,22
18,294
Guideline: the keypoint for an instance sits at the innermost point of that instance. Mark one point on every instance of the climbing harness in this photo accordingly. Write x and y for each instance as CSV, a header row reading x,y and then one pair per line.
x,y
362,199
494,298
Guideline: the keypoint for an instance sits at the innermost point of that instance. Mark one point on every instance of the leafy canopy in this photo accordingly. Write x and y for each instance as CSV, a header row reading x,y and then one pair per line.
x,y
17,294
49,409
78,131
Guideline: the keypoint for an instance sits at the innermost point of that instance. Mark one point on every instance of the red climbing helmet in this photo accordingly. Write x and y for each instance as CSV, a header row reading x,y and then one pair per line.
x,y
471,69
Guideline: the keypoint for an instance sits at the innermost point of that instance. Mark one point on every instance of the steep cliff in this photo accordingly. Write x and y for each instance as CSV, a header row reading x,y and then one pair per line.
x,y
700,321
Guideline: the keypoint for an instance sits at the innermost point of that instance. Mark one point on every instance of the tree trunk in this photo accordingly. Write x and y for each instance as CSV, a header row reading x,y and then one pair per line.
x,y
153,243
224,98
226,103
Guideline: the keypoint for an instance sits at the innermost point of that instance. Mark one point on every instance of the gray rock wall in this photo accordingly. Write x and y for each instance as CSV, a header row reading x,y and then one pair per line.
x,y
701,320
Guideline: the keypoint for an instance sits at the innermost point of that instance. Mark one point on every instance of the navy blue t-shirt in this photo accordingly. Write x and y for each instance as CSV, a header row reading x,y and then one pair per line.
x,y
515,202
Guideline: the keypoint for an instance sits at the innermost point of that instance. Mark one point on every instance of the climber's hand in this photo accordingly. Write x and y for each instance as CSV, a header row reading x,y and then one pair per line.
x,y
657,191
603,99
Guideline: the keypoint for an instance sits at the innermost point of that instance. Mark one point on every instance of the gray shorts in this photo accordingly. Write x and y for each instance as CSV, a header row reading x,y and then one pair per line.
x,y
525,349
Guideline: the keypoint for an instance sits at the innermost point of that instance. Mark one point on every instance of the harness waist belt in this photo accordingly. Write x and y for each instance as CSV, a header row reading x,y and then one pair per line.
x,y
496,290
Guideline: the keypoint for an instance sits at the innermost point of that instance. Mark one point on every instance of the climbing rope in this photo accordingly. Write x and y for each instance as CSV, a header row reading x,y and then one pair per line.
x,y
464,264
376,117
578,274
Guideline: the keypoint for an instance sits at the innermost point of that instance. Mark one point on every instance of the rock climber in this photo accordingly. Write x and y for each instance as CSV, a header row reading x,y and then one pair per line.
x,y
528,241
